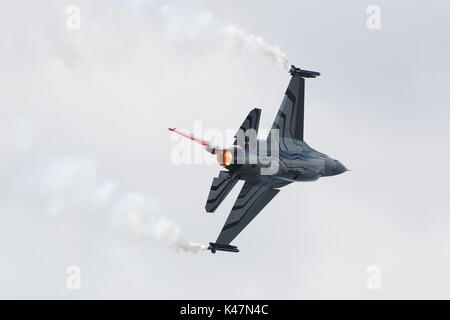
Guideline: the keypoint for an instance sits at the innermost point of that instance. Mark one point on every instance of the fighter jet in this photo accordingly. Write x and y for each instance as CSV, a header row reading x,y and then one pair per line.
x,y
265,166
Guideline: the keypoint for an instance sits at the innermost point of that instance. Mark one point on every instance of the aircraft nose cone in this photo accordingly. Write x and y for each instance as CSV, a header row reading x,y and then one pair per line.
x,y
333,167
339,168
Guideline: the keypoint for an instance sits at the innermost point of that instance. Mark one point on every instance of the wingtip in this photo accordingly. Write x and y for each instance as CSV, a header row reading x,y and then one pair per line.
x,y
171,129
213,247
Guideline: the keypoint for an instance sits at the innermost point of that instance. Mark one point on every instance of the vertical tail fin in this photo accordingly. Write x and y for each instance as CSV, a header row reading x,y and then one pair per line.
x,y
249,128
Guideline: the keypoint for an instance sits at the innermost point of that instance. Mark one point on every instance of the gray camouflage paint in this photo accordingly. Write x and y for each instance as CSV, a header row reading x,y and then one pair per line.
x,y
295,161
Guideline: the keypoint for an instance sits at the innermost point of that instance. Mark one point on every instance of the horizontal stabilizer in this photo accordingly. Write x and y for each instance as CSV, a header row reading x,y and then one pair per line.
x,y
222,247
220,188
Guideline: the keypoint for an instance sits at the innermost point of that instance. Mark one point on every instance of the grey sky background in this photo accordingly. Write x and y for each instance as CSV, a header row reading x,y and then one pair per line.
x,y
85,149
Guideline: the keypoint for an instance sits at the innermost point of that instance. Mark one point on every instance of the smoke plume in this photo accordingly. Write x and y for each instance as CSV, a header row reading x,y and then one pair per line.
x,y
238,38
186,25
71,185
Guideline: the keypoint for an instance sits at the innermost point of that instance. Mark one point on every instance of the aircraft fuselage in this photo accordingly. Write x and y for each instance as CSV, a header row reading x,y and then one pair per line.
x,y
303,163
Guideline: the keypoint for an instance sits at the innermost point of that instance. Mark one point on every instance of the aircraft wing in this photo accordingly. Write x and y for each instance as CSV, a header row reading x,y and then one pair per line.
x,y
290,118
254,196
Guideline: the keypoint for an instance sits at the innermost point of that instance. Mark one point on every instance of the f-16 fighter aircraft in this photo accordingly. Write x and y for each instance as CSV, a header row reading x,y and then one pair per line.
x,y
265,166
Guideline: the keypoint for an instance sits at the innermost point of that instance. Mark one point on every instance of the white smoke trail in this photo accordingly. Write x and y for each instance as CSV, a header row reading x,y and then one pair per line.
x,y
238,38
183,24
134,219
70,185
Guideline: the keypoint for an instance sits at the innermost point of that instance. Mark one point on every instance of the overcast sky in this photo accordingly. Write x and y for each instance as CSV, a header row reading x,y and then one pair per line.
x,y
87,176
